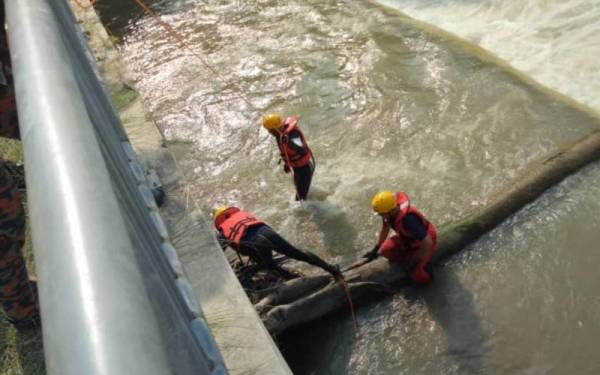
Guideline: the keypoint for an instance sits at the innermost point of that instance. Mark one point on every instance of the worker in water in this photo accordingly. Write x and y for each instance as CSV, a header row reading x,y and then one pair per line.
x,y
294,151
251,237
415,240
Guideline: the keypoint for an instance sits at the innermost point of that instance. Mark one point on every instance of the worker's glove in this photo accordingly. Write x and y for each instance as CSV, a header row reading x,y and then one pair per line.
x,y
286,168
372,254
334,270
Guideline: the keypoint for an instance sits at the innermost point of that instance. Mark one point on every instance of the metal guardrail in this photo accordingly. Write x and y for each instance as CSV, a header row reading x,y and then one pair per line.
x,y
112,293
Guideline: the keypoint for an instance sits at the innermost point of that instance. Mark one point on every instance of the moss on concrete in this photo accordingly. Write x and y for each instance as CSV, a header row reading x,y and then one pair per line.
x,y
10,150
124,97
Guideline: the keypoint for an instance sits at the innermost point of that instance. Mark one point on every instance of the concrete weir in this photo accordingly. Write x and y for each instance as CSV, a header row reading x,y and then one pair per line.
x,y
245,344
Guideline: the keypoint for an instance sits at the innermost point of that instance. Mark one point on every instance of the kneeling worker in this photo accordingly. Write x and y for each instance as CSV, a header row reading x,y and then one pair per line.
x,y
415,240
251,237
293,149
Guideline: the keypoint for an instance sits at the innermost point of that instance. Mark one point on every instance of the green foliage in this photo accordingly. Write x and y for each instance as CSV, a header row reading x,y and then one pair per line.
x,y
10,150
124,97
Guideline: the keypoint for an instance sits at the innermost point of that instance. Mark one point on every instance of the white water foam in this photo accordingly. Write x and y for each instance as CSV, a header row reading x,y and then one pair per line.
x,y
556,42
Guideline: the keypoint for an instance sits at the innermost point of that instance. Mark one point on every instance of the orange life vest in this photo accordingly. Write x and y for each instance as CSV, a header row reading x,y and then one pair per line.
x,y
288,154
233,223
410,243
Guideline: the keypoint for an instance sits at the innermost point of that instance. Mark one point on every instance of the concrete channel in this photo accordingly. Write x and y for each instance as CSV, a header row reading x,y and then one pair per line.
x,y
245,344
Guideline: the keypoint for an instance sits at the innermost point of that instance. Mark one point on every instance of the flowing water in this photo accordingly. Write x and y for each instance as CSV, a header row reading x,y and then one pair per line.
x,y
557,42
386,103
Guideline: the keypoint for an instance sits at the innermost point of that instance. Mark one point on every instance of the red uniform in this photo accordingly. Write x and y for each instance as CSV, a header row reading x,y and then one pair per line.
x,y
404,247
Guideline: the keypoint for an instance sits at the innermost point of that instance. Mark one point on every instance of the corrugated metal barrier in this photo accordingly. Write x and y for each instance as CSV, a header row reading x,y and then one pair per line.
x,y
113,296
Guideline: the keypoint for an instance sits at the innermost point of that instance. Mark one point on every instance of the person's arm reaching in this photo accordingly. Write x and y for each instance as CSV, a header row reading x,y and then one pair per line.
x,y
383,234
374,253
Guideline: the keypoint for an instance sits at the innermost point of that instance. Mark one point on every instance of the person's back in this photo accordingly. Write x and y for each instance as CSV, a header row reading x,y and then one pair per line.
x,y
252,237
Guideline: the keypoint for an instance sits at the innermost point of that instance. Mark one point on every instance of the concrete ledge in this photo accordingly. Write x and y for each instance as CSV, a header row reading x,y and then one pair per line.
x,y
245,344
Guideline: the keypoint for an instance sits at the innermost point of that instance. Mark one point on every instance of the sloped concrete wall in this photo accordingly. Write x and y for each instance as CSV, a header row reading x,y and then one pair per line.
x,y
245,345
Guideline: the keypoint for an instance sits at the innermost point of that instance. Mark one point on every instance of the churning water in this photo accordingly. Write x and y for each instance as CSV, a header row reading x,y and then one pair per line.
x,y
390,103
557,42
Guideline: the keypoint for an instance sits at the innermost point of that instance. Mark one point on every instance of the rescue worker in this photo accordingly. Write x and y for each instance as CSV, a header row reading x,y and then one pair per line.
x,y
18,295
415,240
250,236
294,151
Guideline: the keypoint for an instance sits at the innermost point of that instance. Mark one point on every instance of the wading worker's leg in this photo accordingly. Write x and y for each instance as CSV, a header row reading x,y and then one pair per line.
x,y
279,244
17,296
302,180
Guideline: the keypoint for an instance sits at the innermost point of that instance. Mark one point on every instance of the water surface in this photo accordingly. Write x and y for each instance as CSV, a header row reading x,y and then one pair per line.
x,y
385,104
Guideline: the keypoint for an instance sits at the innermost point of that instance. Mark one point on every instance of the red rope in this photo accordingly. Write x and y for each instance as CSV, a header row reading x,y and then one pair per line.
x,y
187,46
351,305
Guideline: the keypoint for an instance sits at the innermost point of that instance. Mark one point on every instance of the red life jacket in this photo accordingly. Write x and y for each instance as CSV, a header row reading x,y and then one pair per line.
x,y
233,223
410,243
289,156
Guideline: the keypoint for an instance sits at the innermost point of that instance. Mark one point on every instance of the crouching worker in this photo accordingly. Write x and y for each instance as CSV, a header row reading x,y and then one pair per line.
x,y
251,237
415,240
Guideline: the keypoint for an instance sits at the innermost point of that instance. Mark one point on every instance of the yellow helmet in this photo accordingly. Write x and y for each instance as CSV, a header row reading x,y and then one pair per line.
x,y
383,202
272,121
219,211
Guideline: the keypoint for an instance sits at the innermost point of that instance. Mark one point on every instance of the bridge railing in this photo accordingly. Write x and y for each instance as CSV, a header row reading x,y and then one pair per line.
x,y
112,293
